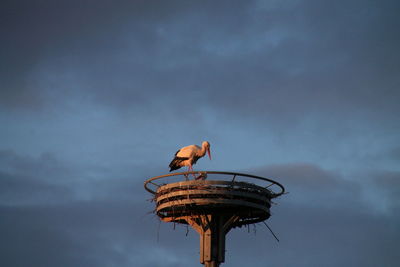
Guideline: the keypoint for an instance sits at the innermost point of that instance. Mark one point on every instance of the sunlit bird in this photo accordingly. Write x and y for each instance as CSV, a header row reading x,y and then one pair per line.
x,y
188,156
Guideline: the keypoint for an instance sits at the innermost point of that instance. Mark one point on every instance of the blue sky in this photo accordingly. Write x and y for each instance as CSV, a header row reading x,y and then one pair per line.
x,y
97,96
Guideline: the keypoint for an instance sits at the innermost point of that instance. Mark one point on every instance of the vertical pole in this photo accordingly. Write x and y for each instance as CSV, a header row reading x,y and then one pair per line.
x,y
211,264
212,241
212,229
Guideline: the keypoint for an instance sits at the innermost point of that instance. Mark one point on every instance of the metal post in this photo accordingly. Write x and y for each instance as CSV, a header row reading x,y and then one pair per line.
x,y
212,240
213,208
211,264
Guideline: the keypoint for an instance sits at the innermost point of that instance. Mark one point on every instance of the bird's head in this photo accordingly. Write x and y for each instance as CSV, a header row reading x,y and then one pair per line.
x,y
206,145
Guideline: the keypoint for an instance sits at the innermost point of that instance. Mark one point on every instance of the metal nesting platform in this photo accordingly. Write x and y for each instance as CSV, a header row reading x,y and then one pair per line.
x,y
213,206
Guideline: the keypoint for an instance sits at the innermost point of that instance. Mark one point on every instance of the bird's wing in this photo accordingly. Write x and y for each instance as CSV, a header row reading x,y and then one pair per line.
x,y
180,156
195,158
186,152
176,162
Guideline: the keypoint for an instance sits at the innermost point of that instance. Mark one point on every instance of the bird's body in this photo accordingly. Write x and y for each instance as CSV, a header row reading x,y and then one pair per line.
x,y
188,156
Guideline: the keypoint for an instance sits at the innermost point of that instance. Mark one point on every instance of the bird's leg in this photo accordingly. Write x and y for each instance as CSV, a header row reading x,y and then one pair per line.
x,y
202,176
190,169
187,174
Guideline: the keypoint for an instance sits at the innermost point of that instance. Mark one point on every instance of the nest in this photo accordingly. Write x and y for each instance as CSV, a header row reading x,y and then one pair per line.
x,y
182,202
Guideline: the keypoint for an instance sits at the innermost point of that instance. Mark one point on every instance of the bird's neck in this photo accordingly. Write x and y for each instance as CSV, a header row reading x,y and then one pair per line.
x,y
203,151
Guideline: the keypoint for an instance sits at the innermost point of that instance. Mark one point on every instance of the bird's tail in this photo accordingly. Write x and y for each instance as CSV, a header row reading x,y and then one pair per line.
x,y
174,165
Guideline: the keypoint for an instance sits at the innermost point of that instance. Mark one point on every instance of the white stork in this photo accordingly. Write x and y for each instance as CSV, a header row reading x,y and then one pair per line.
x,y
188,156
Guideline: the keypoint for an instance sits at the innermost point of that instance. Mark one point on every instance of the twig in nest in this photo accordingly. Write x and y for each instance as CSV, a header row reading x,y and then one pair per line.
x,y
271,231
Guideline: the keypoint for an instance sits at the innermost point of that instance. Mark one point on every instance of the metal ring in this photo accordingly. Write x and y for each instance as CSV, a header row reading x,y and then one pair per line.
x,y
150,181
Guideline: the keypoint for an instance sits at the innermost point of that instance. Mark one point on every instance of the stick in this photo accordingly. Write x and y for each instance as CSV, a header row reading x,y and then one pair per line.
x,y
271,231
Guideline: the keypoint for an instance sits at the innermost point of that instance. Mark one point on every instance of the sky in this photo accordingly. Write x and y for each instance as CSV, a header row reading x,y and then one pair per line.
x,y
97,96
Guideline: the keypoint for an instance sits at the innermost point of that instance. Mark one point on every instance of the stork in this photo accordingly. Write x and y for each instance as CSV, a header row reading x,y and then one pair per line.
x,y
188,156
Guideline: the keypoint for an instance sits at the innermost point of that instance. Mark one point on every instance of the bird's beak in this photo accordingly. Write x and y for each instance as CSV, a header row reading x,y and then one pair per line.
x,y
209,153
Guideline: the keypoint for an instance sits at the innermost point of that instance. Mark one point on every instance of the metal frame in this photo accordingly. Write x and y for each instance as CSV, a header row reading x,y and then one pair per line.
x,y
213,207
235,174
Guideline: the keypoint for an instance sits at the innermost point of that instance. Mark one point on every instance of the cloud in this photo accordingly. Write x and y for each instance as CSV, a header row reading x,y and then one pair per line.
x,y
374,192
93,233
96,96
277,64
52,219
25,180
323,216
114,225
383,190
47,180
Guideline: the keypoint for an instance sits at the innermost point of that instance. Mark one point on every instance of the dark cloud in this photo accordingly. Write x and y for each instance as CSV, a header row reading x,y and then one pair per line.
x,y
323,216
312,236
62,220
385,187
283,61
395,153
374,192
80,233
116,44
335,220
25,180
96,96
43,167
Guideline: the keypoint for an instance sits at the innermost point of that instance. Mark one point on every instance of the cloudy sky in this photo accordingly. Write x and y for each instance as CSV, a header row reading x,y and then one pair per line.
x,y
96,97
